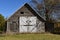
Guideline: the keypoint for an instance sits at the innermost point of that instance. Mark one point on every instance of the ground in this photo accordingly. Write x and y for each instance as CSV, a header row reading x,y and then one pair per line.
x,y
30,37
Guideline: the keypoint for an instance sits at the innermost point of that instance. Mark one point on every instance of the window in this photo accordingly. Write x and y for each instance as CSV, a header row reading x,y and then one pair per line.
x,y
22,12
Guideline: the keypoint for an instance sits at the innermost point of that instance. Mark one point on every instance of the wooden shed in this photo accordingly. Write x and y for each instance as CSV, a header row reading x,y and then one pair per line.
x,y
25,20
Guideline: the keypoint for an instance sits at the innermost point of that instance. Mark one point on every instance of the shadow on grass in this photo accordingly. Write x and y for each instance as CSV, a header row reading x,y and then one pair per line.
x,y
56,31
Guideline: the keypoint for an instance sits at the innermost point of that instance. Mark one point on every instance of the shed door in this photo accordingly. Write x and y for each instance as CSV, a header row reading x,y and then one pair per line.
x,y
27,24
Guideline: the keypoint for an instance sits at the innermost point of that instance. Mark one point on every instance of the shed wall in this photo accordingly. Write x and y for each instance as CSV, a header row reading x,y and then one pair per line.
x,y
13,21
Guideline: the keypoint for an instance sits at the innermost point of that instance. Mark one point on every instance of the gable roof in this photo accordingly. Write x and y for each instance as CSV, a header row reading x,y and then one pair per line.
x,y
34,11
31,9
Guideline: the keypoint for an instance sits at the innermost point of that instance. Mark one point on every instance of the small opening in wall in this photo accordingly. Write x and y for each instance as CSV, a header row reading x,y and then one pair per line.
x,y
22,12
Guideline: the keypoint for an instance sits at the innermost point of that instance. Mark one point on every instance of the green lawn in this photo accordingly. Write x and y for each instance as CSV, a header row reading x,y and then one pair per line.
x,y
30,37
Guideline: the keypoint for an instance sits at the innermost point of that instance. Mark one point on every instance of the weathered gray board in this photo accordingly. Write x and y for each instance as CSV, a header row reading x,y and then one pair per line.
x,y
27,24
14,23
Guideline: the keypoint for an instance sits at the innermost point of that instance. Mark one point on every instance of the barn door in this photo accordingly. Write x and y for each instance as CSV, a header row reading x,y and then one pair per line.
x,y
27,24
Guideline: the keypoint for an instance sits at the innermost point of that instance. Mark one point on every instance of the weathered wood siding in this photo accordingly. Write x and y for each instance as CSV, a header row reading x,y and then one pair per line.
x,y
13,21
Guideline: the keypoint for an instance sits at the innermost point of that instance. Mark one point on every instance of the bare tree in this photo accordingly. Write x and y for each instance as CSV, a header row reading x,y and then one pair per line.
x,y
49,5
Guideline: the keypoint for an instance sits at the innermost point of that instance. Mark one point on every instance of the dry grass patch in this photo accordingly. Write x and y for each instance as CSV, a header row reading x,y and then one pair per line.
x,y
31,37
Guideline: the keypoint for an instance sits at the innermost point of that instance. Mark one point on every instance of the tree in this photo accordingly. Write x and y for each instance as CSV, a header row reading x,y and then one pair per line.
x,y
49,5
2,23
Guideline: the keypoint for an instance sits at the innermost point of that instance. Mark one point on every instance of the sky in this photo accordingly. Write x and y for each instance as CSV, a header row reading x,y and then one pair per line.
x,y
8,7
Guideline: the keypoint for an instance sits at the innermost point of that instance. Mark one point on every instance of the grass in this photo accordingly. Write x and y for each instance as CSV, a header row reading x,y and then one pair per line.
x,y
30,37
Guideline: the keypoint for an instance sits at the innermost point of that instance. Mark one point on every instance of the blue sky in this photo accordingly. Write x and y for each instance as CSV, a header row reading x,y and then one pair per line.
x,y
8,7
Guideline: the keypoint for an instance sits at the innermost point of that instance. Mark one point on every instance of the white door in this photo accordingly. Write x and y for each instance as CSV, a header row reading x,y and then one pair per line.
x,y
27,24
